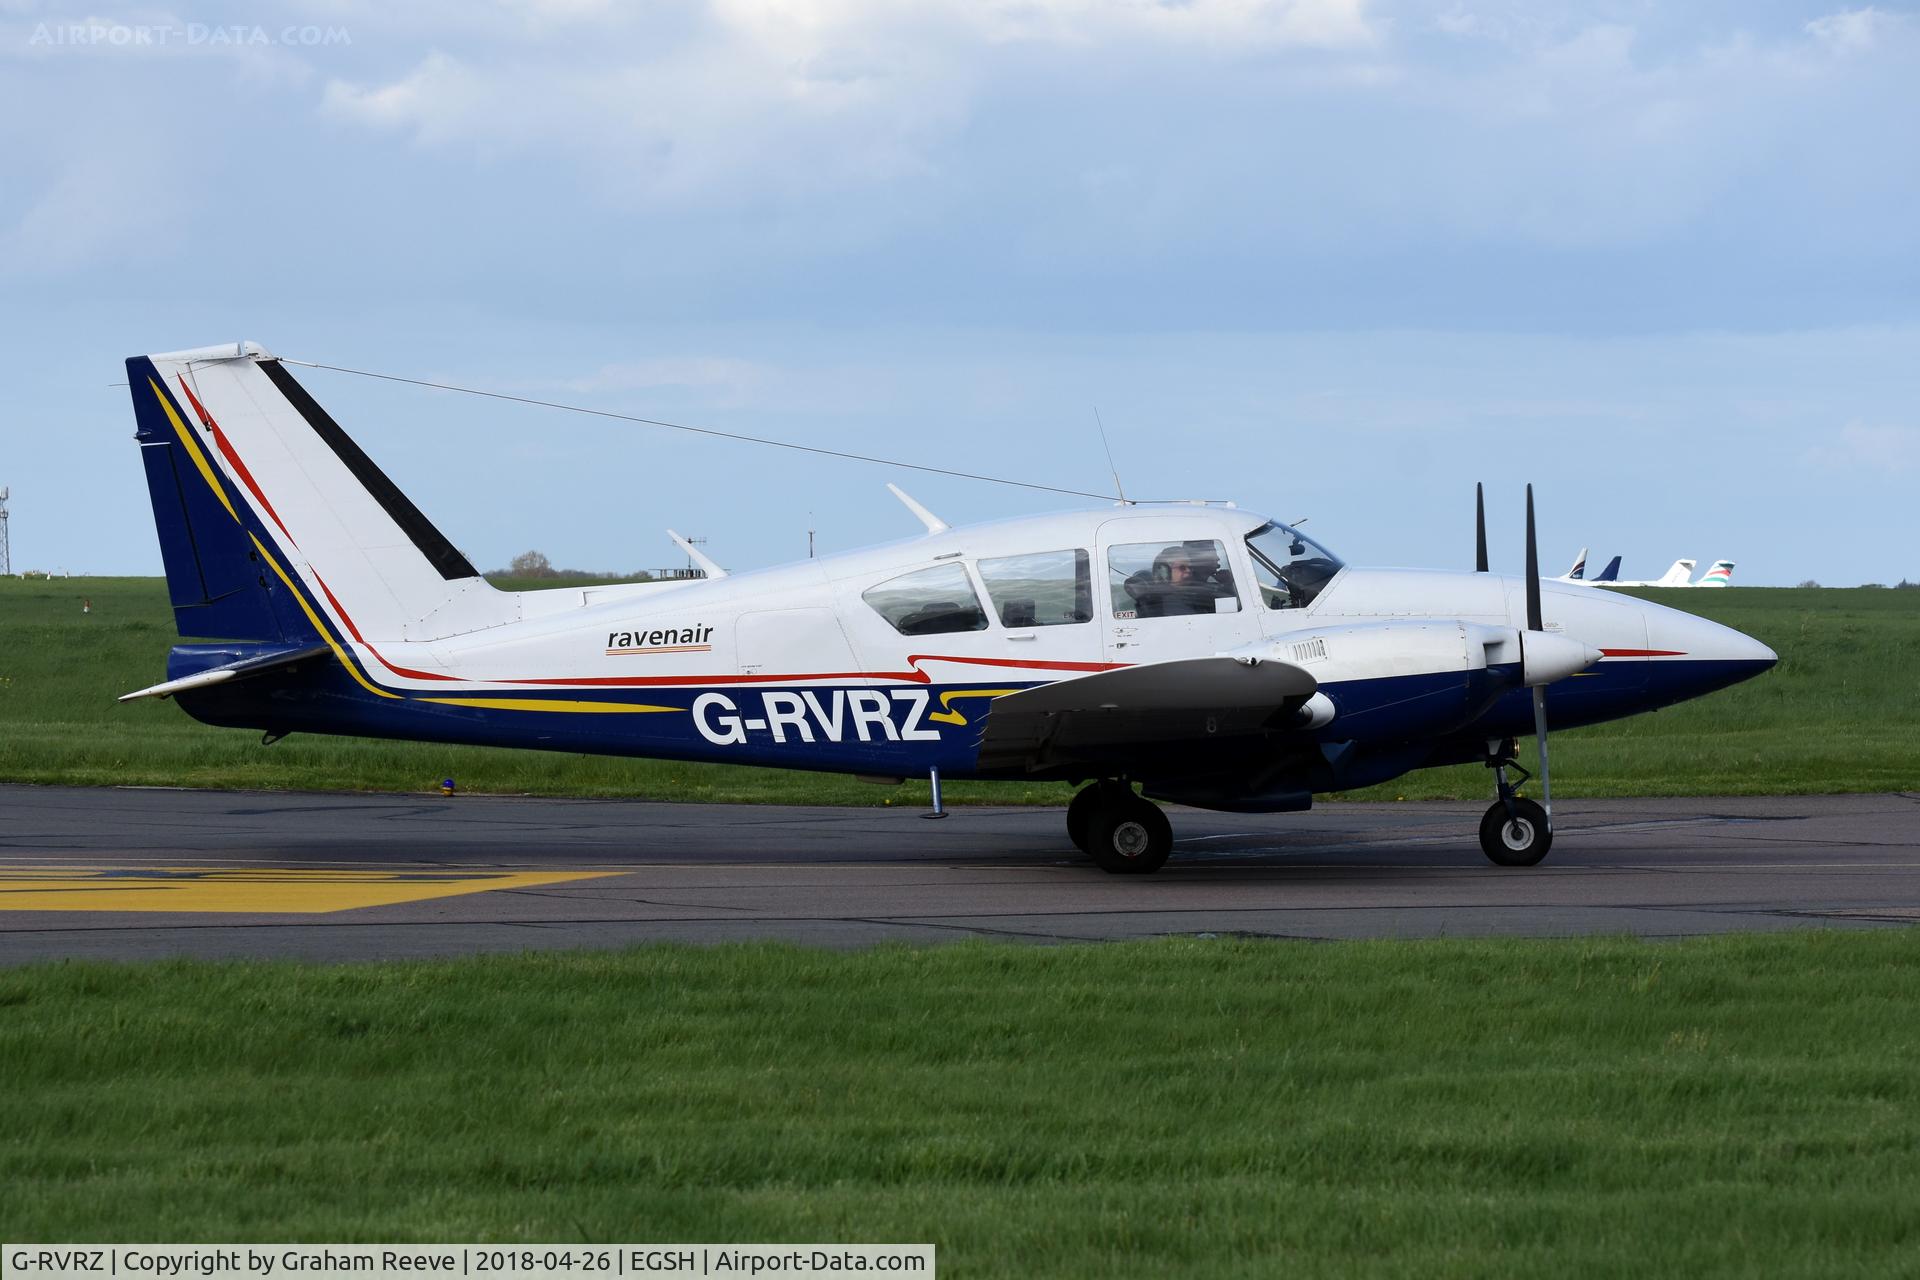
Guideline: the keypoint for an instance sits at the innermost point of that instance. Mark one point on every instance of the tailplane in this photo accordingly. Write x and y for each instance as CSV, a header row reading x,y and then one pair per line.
x,y
1611,573
1719,574
1579,565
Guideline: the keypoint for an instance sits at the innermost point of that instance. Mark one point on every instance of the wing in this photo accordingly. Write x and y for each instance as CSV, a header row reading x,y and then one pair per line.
x,y
1154,711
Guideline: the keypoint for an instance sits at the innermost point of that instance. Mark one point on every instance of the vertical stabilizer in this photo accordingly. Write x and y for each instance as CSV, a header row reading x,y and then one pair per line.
x,y
1719,574
1679,575
271,516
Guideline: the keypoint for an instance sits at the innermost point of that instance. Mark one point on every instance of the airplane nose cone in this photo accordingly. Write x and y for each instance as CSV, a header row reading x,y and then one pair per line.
x,y
1694,655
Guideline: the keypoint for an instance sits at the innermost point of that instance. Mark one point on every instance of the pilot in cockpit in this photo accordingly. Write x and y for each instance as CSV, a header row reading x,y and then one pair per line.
x,y
1186,579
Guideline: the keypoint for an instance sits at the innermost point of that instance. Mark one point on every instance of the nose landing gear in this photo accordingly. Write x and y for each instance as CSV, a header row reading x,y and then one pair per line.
x,y
1124,833
1515,832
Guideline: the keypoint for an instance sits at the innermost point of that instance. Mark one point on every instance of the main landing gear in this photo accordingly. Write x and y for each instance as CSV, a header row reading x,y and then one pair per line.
x,y
1124,833
1515,832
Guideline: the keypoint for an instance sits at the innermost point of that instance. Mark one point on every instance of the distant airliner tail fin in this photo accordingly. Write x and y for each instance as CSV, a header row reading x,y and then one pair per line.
x,y
1679,575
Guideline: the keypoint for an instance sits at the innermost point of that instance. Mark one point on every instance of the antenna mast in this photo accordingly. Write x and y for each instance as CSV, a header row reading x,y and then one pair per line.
x,y
1117,486
6,552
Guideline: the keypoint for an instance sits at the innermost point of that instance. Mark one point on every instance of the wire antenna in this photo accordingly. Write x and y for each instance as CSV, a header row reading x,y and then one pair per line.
x,y
701,431
1117,486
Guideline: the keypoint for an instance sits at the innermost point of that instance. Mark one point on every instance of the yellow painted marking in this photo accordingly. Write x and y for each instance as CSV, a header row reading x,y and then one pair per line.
x,y
193,449
338,651
947,715
253,890
543,704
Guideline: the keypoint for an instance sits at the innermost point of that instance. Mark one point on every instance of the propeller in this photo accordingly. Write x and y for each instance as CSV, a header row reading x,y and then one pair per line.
x,y
1479,528
1537,626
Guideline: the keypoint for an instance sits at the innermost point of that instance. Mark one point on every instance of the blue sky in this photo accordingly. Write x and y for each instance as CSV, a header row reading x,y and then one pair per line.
x,y
1328,258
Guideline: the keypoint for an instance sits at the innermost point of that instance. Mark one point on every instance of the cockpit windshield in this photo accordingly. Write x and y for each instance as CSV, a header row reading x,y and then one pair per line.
x,y
1290,567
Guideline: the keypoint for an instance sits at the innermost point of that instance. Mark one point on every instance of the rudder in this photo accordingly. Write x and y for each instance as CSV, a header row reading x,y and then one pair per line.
x,y
216,582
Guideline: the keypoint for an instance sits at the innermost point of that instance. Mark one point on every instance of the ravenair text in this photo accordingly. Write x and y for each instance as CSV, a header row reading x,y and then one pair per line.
x,y
660,638
815,715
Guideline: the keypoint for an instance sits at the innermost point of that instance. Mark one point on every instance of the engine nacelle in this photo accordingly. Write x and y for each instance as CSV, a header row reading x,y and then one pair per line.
x,y
1444,672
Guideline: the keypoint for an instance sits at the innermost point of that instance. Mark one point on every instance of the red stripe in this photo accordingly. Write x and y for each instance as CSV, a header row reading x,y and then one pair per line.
x,y
355,633
915,676
233,459
1643,653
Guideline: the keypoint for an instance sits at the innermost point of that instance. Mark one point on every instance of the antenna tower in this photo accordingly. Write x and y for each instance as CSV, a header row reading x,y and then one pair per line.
x,y
6,552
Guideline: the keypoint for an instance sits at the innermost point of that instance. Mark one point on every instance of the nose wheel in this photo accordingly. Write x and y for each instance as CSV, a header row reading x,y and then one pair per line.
x,y
1122,832
1515,832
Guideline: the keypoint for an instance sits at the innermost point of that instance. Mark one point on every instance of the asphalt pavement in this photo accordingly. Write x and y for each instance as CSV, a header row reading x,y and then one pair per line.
x,y
144,873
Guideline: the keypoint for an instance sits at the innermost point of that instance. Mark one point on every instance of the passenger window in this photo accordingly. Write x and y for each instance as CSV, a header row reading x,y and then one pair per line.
x,y
1043,589
929,602
1166,580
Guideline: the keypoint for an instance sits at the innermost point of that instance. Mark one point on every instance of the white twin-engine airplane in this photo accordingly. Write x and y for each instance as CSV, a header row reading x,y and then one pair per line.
x,y
1200,653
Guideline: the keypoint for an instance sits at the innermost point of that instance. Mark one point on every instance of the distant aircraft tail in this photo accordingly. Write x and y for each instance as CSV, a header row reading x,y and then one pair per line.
x,y
1610,573
274,525
1719,574
1680,575
1579,565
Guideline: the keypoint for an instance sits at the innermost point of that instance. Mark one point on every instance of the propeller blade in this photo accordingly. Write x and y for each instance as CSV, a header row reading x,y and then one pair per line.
x,y
1533,571
1540,736
1479,528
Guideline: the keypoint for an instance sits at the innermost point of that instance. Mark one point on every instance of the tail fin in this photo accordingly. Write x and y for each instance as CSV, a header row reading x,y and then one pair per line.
x,y
1611,573
1579,565
1719,574
274,525
1679,575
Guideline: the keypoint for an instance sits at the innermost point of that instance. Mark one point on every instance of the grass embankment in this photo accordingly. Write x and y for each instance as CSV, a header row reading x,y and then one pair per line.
x,y
1840,713
1180,1108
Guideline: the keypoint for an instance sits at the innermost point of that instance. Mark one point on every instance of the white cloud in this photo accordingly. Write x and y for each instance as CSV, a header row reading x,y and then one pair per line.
x,y
100,204
1860,446
1852,30
748,98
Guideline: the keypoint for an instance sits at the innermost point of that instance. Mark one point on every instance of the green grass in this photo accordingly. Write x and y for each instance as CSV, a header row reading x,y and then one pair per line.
x,y
1840,713
1180,1108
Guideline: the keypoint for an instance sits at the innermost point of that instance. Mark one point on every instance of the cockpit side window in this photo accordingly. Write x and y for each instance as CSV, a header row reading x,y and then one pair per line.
x,y
1041,589
928,602
1289,567
1167,580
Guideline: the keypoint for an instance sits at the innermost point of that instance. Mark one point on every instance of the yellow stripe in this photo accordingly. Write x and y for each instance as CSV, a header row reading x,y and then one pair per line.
x,y
949,716
543,704
193,449
319,626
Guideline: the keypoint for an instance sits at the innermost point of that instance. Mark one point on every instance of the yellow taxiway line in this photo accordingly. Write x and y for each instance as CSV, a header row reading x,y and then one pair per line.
x,y
263,890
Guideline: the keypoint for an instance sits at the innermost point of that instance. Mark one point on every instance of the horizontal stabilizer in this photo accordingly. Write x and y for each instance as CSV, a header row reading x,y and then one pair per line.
x,y
232,671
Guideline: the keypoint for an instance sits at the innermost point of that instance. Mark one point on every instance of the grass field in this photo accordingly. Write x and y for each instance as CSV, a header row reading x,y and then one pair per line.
x,y
1840,713
1180,1108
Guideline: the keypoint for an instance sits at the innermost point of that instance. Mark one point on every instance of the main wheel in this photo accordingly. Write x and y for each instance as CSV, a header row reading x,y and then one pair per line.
x,y
1129,836
1080,813
1519,839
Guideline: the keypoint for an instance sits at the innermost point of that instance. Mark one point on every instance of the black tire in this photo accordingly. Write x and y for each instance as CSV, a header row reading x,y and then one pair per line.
x,y
1080,814
1519,840
1129,836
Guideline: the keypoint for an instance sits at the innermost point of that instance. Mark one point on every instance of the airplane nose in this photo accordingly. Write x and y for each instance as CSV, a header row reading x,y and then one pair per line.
x,y
1703,640
1694,655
